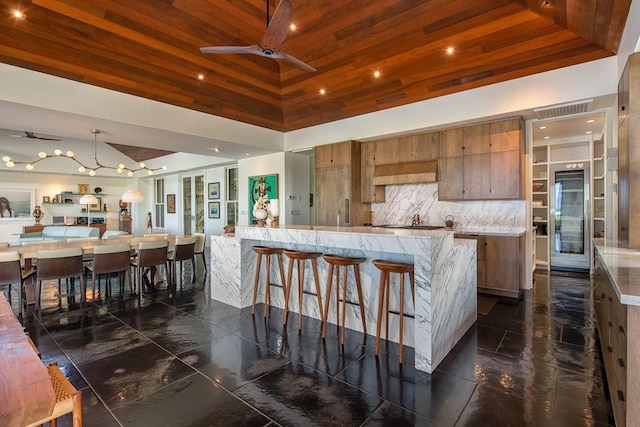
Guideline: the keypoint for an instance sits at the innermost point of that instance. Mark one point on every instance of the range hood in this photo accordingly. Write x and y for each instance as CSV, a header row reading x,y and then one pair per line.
x,y
406,173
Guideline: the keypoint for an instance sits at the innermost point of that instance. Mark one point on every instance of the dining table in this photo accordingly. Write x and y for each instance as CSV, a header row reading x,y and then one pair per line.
x,y
26,392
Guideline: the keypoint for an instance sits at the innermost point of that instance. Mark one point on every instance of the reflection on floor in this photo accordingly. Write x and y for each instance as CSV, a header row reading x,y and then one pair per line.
x,y
182,360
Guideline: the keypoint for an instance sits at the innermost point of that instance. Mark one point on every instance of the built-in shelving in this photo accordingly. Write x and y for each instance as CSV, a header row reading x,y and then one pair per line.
x,y
540,205
598,186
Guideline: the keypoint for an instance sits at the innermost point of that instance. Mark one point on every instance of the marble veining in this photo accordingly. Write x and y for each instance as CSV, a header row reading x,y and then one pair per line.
x,y
443,310
404,201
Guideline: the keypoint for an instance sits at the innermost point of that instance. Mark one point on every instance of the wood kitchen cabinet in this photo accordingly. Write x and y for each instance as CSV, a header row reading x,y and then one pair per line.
x,y
337,185
501,264
482,162
505,269
393,151
370,193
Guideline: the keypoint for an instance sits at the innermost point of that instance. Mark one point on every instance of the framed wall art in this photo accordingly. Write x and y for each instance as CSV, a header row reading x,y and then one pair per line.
x,y
214,190
214,210
97,207
259,186
171,203
16,203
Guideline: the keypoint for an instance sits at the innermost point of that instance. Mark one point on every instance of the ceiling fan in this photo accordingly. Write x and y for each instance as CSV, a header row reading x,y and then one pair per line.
x,y
32,135
273,38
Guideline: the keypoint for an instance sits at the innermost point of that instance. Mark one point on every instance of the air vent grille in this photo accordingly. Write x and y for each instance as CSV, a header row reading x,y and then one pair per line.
x,y
562,110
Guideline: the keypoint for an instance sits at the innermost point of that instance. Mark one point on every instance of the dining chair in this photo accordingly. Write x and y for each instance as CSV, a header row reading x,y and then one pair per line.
x,y
57,264
183,251
68,399
11,272
151,254
201,239
108,259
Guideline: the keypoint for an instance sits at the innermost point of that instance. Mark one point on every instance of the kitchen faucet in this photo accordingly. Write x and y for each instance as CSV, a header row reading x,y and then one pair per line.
x,y
415,221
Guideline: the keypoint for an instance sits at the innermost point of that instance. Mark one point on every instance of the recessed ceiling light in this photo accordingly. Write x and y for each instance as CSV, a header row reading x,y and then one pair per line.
x,y
322,91
200,76
588,132
591,121
18,14
376,74
292,27
214,149
450,50
545,3
543,127
547,137
246,154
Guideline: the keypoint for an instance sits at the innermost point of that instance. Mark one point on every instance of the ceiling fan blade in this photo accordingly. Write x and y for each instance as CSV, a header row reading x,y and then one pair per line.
x,y
284,57
230,49
32,135
278,29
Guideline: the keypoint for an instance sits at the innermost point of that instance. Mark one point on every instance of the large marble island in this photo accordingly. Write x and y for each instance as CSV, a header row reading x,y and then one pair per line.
x,y
445,279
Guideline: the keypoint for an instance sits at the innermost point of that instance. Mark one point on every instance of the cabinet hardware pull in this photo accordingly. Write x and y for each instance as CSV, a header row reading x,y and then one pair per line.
x,y
620,396
621,363
621,329
610,324
610,300
603,295
609,349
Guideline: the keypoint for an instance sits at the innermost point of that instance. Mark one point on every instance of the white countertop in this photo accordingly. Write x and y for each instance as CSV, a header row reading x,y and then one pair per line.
x,y
623,267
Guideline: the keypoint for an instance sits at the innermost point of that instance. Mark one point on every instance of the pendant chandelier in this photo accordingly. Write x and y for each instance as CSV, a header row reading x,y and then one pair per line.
x,y
10,163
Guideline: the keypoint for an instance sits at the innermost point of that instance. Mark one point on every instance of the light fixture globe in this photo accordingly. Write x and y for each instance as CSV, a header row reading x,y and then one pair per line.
x,y
132,196
88,199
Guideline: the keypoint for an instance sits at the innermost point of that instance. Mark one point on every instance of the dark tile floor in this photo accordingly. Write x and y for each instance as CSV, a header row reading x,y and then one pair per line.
x,y
183,360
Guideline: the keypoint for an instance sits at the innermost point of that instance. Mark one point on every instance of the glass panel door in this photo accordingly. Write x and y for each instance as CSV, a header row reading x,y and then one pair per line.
x,y
193,204
569,212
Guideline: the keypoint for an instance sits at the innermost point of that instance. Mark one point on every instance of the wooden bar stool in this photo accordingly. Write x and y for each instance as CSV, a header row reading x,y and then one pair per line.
x,y
266,251
300,258
345,263
386,268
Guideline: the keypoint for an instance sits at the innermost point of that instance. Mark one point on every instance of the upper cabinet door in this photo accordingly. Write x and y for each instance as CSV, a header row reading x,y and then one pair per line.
x,y
477,139
507,135
451,143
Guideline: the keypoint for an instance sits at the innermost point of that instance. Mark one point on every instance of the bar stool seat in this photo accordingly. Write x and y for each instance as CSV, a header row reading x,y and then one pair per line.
x,y
345,263
266,251
386,268
300,258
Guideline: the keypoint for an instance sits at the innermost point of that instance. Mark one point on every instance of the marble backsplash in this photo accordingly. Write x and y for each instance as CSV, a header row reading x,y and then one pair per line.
x,y
404,201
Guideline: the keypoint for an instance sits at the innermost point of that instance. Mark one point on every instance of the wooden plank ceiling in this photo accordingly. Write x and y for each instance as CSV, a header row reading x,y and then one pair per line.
x,y
149,48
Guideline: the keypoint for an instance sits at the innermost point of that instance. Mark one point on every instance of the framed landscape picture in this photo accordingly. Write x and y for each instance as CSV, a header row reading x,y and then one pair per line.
x,y
214,210
214,190
16,203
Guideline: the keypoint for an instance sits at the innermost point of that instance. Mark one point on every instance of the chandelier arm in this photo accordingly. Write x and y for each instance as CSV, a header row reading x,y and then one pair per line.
x,y
130,171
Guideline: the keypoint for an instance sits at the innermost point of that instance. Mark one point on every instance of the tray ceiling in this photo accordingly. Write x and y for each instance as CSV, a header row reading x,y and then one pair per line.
x,y
149,48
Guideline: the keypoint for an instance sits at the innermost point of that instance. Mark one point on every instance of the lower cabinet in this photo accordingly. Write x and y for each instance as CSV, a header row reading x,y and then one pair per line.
x,y
618,330
501,264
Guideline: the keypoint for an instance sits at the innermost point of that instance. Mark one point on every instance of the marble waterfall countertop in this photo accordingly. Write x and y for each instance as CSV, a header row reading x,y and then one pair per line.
x,y
623,268
506,232
445,279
